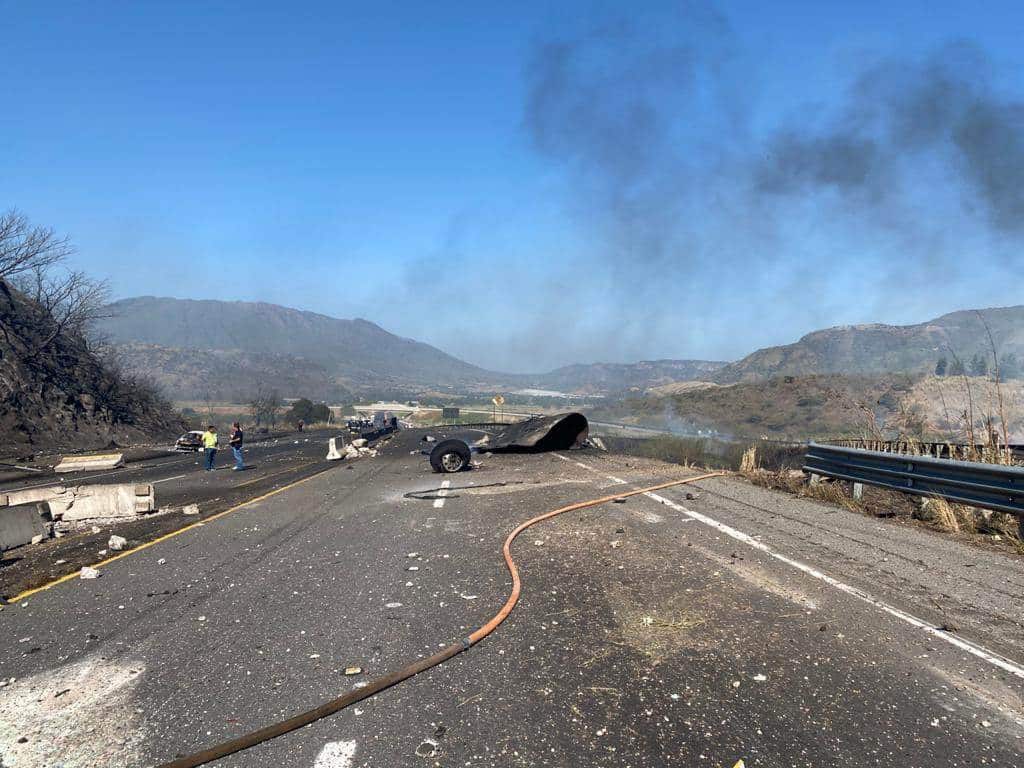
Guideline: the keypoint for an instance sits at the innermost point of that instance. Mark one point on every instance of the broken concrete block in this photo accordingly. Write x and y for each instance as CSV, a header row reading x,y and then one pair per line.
x,y
190,509
96,461
117,542
94,501
359,442
88,501
22,524
333,454
88,573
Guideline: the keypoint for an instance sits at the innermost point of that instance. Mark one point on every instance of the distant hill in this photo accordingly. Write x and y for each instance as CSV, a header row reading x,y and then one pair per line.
x,y
56,393
222,350
788,407
298,352
879,349
604,378
230,375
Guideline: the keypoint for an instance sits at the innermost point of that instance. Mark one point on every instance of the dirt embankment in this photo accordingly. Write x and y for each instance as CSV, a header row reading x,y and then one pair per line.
x,y
56,393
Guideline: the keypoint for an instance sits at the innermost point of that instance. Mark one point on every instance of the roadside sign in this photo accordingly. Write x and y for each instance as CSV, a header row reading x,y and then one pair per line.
x,y
498,400
449,414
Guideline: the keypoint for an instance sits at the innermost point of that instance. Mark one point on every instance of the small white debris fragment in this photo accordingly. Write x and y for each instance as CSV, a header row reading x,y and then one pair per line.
x,y
601,731
392,605
95,529
468,597
117,542
314,655
674,696
935,723
985,724
37,539
413,554
190,509
735,683
413,568
760,678
60,562
647,621
201,618
102,552
538,543
88,573
161,561
615,544
353,671
408,583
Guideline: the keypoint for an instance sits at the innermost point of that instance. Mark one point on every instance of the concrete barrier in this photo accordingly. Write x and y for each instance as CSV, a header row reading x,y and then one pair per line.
x,y
83,502
95,461
22,523
333,454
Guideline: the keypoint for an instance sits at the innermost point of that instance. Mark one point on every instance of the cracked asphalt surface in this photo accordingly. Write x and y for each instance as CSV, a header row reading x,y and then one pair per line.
x,y
644,637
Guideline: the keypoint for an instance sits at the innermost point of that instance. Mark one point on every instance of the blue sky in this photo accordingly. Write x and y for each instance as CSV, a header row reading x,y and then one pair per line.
x,y
525,186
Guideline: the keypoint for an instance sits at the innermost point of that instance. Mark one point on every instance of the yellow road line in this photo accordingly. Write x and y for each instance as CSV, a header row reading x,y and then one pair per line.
x,y
267,477
171,535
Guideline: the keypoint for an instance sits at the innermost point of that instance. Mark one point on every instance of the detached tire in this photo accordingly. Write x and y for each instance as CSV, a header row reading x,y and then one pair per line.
x,y
450,456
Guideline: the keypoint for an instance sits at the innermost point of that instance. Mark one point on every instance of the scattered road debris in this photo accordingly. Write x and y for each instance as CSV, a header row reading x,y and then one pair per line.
x,y
88,573
117,542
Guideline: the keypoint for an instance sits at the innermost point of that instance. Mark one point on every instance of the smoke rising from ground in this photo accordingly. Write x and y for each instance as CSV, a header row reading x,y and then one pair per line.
x,y
701,231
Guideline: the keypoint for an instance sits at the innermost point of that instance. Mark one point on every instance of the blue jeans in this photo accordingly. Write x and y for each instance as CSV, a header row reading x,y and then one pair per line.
x,y
210,453
239,464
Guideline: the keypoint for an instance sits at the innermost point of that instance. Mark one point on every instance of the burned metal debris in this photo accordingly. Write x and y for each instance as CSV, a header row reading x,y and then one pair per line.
x,y
560,432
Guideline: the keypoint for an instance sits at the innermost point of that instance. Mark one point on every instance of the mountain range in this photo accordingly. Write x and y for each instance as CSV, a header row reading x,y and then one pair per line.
x,y
224,350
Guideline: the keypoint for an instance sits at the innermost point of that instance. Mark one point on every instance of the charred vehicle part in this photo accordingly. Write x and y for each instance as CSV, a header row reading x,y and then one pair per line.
x,y
560,432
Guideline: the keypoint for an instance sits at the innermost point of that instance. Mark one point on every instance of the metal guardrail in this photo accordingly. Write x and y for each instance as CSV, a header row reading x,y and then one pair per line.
x,y
991,486
945,450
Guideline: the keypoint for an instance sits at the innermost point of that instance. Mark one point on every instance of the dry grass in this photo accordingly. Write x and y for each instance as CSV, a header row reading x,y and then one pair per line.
x,y
937,513
943,515
748,463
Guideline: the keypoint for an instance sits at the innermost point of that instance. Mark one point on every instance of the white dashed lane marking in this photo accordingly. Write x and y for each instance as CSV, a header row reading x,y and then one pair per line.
x,y
964,645
336,754
438,503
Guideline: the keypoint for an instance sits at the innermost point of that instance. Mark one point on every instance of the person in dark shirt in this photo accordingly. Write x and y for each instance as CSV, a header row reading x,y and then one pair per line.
x,y
236,445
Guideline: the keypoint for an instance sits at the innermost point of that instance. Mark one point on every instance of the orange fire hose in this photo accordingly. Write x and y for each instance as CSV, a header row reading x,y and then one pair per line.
x,y
330,707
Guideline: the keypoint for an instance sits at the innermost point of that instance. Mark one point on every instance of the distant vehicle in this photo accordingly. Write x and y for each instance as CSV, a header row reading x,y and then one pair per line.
x,y
190,441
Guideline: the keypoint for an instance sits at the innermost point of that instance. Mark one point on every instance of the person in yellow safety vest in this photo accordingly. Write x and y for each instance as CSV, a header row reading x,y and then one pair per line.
x,y
210,446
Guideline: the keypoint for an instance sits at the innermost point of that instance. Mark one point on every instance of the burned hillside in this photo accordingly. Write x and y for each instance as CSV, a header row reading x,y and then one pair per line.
x,y
56,392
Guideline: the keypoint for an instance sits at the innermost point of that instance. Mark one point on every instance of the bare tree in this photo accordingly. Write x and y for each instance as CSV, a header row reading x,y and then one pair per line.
x,y
71,300
1007,455
266,405
24,248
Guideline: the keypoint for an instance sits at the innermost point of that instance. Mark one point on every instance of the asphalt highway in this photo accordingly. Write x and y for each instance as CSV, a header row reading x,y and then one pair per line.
x,y
736,624
179,480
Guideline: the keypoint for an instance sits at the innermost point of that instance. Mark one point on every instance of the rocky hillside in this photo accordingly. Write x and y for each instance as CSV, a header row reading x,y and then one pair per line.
x,y
260,341
222,349
610,378
787,407
56,393
874,349
231,375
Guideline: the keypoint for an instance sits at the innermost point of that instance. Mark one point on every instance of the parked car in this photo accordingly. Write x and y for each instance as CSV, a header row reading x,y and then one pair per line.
x,y
190,441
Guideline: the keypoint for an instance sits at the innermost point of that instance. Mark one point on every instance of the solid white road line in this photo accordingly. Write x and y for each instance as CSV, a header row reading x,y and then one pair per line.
x,y
168,479
438,503
975,650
